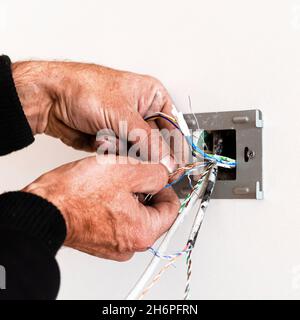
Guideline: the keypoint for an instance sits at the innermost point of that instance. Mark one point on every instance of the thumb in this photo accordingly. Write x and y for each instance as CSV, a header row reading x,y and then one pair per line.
x,y
148,178
148,143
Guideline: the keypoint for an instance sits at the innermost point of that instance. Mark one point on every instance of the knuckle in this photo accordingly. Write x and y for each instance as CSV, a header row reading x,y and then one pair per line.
x,y
128,236
144,242
152,79
155,82
124,257
163,174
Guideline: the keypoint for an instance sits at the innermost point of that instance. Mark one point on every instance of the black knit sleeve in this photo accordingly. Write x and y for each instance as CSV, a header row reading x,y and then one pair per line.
x,y
15,132
31,231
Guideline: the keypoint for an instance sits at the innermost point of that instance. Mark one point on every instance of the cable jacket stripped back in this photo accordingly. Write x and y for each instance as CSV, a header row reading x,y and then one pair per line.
x,y
188,202
213,161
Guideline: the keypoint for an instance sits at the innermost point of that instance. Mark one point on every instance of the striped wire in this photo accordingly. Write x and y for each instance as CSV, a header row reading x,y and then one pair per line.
x,y
220,160
187,249
212,168
197,225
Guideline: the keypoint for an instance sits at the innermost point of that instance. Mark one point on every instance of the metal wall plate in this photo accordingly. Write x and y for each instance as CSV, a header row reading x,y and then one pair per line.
x,y
248,124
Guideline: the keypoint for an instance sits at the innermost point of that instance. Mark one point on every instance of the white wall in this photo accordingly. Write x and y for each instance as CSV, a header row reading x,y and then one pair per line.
x,y
228,55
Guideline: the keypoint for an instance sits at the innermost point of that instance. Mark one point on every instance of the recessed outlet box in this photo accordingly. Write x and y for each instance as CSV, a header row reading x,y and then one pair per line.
x,y
241,133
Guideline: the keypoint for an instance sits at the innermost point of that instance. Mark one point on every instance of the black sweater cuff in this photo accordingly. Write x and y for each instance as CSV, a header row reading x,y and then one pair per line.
x,y
33,216
15,132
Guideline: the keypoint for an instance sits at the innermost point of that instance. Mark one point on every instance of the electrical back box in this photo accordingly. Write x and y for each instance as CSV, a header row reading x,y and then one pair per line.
x,y
241,133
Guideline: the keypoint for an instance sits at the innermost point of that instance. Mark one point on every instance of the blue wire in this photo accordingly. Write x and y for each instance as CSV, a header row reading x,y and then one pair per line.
x,y
184,175
175,181
195,147
205,155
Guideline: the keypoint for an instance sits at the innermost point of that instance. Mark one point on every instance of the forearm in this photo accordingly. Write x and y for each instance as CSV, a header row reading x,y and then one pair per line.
x,y
31,79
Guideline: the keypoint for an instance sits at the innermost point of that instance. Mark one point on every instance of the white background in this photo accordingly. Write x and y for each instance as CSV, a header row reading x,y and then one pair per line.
x,y
228,55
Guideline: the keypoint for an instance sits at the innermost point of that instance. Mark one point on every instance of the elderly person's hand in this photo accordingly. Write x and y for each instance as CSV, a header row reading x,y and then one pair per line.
x,y
102,204
73,101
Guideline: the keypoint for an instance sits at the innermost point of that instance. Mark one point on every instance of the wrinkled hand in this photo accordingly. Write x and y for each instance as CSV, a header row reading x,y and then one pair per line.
x,y
101,206
73,101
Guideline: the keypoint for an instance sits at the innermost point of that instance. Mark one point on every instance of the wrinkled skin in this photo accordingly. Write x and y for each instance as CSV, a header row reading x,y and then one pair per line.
x,y
73,101
100,201
103,214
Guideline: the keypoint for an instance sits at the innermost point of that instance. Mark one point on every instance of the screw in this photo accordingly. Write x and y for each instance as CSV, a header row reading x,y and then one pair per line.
x,y
250,154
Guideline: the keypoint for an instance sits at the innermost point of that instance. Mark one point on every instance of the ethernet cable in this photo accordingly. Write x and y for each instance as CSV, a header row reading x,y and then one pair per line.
x,y
212,163
189,202
212,178
203,204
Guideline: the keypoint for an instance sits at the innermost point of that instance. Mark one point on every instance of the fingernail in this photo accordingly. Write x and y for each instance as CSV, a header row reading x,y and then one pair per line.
x,y
169,162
